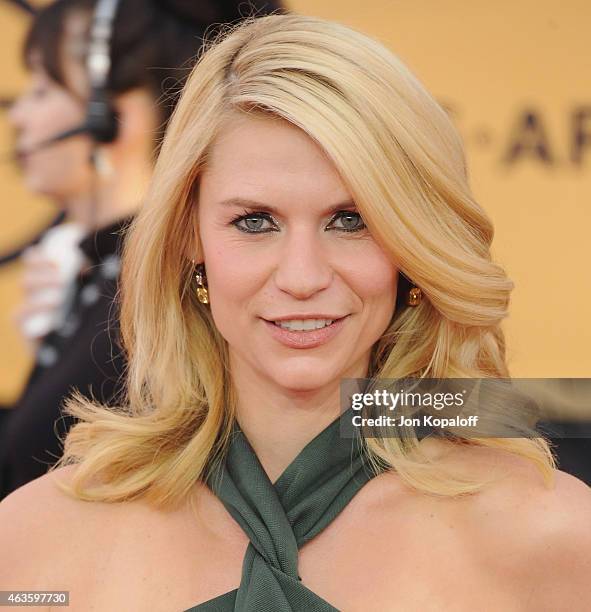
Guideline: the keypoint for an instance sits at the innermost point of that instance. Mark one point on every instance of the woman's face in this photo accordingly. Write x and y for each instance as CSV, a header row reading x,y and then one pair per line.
x,y
293,261
62,170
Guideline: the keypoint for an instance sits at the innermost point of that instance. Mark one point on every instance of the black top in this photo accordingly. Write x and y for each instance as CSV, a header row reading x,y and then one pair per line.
x,y
84,352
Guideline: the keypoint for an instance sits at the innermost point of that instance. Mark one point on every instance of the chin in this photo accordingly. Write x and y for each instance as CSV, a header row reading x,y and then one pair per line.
x,y
305,377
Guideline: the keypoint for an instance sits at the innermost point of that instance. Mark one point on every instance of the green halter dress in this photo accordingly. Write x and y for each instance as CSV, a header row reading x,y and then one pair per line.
x,y
280,518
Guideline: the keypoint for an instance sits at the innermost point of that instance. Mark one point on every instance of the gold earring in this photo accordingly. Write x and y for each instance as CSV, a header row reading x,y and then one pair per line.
x,y
415,295
202,293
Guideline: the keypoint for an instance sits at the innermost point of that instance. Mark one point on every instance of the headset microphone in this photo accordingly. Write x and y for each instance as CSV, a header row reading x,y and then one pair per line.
x,y
100,124
80,129
18,155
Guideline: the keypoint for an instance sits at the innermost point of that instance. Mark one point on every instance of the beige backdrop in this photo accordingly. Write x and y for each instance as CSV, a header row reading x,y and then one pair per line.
x,y
516,76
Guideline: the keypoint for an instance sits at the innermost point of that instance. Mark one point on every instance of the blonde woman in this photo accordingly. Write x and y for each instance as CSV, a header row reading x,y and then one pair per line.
x,y
306,174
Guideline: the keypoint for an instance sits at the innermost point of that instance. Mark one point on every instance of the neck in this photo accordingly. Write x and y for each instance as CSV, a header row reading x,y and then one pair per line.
x,y
279,422
114,196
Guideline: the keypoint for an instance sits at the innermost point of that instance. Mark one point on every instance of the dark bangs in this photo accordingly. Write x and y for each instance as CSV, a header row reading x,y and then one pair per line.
x,y
46,36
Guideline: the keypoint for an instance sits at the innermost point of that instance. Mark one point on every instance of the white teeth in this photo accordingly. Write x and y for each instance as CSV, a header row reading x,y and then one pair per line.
x,y
303,325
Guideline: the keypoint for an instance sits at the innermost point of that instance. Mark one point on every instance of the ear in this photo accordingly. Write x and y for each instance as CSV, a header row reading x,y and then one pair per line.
x,y
138,117
193,250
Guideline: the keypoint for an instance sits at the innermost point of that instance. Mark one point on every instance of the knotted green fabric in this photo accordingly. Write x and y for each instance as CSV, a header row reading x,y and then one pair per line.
x,y
280,518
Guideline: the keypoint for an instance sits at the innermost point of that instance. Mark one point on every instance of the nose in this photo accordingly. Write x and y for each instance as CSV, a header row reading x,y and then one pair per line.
x,y
304,266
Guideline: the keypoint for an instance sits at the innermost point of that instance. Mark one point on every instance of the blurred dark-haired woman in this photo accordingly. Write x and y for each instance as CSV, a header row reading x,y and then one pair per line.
x,y
70,315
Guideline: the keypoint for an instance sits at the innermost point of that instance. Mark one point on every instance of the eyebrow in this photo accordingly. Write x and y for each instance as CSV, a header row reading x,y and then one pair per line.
x,y
271,209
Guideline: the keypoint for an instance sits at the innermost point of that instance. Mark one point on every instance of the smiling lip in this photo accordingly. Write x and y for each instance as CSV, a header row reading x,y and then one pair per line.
x,y
305,339
299,317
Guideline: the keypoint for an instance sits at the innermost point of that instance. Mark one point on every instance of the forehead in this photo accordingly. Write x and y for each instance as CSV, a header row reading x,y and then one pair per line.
x,y
269,154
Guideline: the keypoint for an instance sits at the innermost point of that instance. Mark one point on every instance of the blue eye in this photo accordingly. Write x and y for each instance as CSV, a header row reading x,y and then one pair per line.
x,y
257,218
347,216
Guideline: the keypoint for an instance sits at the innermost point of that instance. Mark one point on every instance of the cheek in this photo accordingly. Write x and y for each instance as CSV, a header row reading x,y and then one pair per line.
x,y
69,156
373,277
234,284
230,292
378,282
54,116
61,170
232,269
50,119
228,278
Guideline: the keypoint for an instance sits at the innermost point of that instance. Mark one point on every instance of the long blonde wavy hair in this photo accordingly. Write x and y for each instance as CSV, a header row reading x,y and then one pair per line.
x,y
403,161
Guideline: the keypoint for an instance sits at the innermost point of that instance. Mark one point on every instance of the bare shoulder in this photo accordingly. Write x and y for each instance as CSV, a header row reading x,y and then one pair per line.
x,y
37,522
540,535
108,555
551,528
29,507
516,485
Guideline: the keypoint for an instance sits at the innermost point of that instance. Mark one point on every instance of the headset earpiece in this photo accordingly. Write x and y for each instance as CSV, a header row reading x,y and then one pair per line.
x,y
101,118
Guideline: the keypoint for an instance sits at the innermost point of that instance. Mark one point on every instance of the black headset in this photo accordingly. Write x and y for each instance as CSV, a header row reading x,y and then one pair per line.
x,y
101,122
101,119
